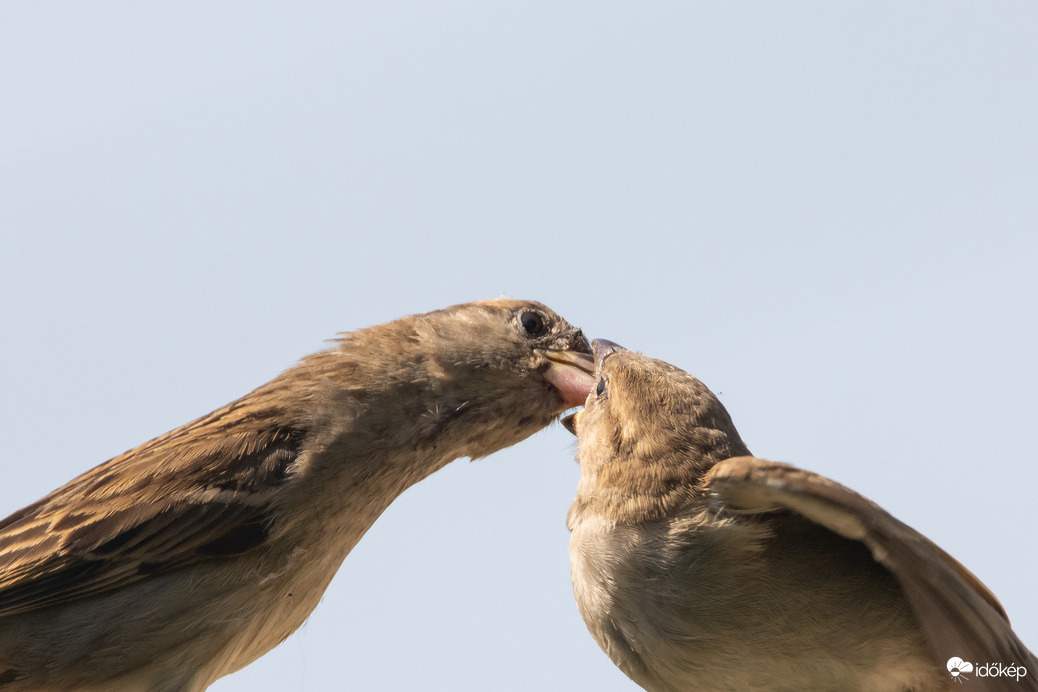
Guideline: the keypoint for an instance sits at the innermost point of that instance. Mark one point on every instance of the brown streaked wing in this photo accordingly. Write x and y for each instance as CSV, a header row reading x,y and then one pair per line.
x,y
959,615
84,539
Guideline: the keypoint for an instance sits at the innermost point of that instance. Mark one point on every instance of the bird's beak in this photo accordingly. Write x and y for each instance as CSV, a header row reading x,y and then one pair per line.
x,y
572,373
571,421
603,348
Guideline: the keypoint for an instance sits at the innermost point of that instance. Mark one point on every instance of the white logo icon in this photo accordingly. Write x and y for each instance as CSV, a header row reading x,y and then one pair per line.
x,y
956,666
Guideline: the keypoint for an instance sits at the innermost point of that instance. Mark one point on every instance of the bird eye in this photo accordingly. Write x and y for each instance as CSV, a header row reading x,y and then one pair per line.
x,y
600,390
533,323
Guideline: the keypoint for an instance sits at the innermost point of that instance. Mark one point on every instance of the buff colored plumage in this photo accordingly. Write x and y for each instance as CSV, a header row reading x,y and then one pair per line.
x,y
699,567
190,556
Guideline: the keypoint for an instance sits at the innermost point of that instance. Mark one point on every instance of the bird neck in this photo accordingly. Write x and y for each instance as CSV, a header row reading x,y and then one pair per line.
x,y
651,476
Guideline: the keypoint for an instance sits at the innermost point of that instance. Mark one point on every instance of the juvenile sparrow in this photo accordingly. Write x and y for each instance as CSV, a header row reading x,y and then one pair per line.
x,y
186,558
698,567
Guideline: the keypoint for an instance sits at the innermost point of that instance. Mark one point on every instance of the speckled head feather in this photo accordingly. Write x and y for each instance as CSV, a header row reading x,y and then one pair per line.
x,y
191,555
646,433
696,566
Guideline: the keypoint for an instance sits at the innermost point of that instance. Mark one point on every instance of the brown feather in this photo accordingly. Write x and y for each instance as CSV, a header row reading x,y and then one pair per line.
x,y
696,564
191,555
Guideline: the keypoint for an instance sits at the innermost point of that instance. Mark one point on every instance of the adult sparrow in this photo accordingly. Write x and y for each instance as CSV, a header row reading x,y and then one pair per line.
x,y
188,557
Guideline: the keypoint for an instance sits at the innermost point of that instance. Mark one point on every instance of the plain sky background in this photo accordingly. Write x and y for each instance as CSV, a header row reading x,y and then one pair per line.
x,y
826,211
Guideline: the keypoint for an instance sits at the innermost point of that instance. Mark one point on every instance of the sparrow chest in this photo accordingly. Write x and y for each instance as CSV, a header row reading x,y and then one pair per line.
x,y
281,597
686,603
280,593
264,633
620,584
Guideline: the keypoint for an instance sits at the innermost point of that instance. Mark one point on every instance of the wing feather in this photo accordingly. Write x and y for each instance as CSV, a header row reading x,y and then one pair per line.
x,y
201,492
959,615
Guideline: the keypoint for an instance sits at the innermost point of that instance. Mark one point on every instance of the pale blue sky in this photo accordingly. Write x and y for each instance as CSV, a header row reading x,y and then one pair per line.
x,y
826,211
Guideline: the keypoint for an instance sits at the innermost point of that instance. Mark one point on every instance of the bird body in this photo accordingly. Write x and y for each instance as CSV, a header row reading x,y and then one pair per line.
x,y
190,556
698,567
781,614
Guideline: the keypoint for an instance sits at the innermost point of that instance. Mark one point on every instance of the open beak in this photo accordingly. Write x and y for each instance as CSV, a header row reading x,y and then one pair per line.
x,y
601,349
571,421
572,373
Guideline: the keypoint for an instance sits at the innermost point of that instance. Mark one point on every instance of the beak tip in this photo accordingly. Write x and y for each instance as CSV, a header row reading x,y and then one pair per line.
x,y
603,348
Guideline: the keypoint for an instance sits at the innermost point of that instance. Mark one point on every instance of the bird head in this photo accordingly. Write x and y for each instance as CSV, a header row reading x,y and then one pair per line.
x,y
648,425
474,377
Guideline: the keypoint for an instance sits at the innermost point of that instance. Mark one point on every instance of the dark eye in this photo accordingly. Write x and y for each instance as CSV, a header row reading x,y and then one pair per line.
x,y
533,323
600,390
